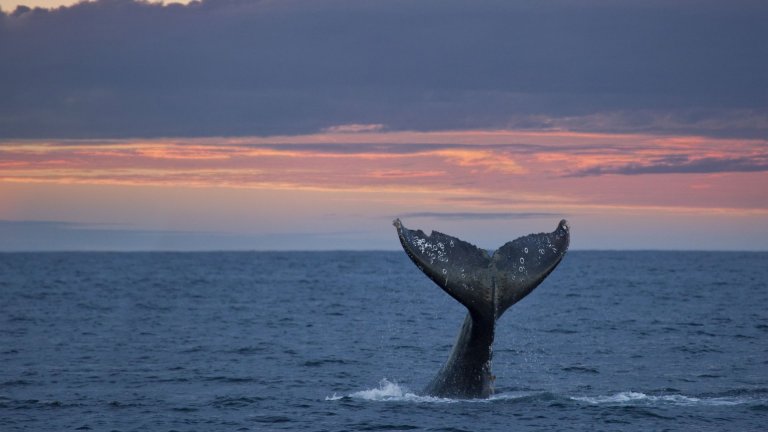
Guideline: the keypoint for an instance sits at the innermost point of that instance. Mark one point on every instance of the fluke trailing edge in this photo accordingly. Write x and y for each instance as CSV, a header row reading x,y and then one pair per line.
x,y
487,285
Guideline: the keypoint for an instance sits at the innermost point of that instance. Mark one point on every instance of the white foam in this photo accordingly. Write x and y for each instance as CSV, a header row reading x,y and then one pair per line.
x,y
390,391
512,395
630,398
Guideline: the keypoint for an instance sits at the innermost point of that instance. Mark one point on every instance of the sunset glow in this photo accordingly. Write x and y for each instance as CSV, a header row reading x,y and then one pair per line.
x,y
488,172
238,124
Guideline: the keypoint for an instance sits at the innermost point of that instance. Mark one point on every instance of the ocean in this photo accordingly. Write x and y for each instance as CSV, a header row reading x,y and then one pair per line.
x,y
344,341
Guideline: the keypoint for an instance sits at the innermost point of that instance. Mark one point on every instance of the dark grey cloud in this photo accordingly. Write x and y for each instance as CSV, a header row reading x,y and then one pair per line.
x,y
116,68
682,165
482,215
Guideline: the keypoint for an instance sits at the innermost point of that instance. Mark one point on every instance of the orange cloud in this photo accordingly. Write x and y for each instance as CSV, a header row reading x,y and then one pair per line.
x,y
494,169
183,152
482,160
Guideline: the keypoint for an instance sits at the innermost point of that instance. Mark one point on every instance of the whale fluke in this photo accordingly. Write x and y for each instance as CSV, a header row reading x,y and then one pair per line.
x,y
487,285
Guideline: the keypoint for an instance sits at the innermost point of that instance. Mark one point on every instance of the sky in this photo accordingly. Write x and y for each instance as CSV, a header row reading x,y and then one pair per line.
x,y
11,5
311,125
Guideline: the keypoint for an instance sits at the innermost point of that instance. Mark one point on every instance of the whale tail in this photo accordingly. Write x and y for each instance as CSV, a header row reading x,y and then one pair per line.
x,y
486,284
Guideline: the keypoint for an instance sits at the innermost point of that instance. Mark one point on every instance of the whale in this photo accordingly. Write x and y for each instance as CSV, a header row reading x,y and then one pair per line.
x,y
487,284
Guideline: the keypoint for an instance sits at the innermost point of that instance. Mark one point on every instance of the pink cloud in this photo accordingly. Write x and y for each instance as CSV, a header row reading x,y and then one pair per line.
x,y
484,169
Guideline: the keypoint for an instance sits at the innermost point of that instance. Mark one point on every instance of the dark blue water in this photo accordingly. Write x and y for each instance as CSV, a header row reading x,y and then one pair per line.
x,y
344,341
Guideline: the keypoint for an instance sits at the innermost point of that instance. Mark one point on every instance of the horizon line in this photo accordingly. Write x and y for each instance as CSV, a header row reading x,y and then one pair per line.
x,y
192,251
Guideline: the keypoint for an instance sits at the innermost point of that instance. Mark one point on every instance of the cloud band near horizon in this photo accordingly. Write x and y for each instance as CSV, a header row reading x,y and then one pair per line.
x,y
510,167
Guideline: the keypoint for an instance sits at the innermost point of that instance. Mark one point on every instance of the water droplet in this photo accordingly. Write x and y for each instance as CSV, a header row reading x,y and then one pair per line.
x,y
521,269
541,251
525,250
445,271
522,260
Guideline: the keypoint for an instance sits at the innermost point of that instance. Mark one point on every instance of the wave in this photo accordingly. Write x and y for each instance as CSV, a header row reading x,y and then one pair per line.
x,y
389,391
638,398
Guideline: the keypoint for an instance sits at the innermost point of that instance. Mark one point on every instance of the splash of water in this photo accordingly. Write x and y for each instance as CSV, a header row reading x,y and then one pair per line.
x,y
390,391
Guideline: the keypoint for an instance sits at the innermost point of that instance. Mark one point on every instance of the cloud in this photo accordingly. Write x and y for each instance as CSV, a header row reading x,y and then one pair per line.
x,y
354,128
442,162
682,165
119,68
